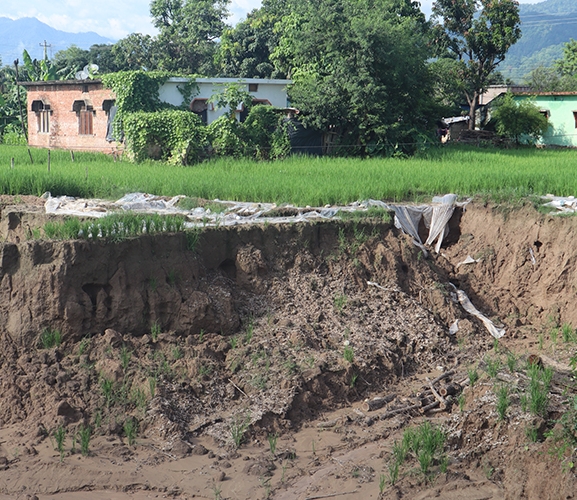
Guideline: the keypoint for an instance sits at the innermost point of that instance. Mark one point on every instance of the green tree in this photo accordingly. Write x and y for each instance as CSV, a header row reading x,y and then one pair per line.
x,y
244,51
136,52
567,66
478,38
189,30
359,68
516,119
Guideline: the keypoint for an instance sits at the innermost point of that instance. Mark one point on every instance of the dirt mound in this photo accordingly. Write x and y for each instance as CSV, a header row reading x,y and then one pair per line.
x,y
236,366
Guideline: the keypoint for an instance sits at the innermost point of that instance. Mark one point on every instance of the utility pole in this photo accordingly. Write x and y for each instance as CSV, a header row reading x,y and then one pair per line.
x,y
45,45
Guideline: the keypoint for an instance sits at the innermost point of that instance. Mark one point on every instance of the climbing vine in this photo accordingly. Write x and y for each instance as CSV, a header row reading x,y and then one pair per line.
x,y
175,136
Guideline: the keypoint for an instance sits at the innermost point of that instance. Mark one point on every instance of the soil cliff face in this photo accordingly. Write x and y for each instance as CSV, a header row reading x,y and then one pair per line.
x,y
211,343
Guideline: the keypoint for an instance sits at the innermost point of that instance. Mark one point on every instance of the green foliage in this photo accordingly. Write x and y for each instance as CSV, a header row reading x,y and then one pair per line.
x,y
503,401
492,366
130,428
349,354
50,338
178,137
537,395
188,33
238,427
85,433
516,119
114,228
60,436
272,439
226,138
341,55
480,38
473,375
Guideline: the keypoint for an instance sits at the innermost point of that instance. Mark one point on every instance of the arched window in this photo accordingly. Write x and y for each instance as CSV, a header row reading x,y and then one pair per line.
x,y
42,110
85,114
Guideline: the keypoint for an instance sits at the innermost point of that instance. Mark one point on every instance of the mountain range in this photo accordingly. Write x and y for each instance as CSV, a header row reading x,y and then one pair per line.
x,y
31,34
546,27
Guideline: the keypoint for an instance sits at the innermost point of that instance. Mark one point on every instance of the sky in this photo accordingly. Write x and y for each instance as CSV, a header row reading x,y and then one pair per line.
x,y
114,18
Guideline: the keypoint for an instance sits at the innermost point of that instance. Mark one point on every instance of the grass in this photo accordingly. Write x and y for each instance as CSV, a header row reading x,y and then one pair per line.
x,y
348,354
303,181
84,434
50,338
60,437
503,401
473,376
537,395
238,426
425,444
130,428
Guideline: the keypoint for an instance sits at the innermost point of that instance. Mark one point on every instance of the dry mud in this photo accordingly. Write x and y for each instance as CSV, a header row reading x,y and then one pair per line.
x,y
244,361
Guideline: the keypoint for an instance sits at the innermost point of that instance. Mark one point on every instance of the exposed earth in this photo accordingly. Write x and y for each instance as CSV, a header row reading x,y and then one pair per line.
x,y
248,364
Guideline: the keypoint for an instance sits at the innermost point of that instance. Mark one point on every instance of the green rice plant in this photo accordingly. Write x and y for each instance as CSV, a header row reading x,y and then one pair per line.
x,y
272,439
84,435
249,331
349,354
554,334
50,338
125,355
139,399
493,366
503,401
426,442
532,433
107,388
353,380
152,386
339,302
238,427
155,330
60,436
233,342
177,353
461,400
382,482
512,362
83,345
568,333
538,389
130,428
473,375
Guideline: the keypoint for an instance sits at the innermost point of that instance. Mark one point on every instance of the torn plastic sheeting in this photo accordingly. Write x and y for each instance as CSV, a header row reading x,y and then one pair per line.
x,y
435,217
495,331
468,260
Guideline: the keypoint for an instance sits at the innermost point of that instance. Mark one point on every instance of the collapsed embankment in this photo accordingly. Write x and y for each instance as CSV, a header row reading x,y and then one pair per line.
x,y
265,328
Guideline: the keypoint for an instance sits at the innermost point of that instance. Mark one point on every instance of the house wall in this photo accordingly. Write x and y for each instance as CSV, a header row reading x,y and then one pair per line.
x,y
64,127
561,111
64,121
274,91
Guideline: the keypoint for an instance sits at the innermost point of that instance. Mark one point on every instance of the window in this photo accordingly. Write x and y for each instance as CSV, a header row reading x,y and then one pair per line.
x,y
200,107
575,118
85,115
253,87
545,113
42,111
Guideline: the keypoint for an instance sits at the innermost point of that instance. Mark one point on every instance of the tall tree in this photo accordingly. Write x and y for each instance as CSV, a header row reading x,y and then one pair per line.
x,y
189,30
359,68
479,33
245,49
136,52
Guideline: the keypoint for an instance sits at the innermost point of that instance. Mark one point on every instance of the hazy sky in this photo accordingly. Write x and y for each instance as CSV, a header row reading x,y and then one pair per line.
x,y
113,18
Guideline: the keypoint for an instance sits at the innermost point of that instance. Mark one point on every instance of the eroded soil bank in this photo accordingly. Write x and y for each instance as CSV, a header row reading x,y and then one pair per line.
x,y
239,362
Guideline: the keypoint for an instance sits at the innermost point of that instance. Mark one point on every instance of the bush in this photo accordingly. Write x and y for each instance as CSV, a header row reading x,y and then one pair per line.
x,y
516,119
178,137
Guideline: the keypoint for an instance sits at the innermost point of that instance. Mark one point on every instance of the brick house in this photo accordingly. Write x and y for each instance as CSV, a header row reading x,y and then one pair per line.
x,y
77,114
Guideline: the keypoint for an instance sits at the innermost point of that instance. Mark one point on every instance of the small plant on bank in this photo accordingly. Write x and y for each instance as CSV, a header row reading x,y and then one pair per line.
x,y
60,436
503,401
107,388
339,302
50,338
130,428
125,355
155,330
152,386
568,333
84,435
272,439
238,426
83,345
348,354
461,401
512,362
473,376
493,366
537,396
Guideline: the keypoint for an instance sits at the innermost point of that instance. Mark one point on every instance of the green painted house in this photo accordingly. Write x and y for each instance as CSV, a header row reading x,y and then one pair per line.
x,y
561,111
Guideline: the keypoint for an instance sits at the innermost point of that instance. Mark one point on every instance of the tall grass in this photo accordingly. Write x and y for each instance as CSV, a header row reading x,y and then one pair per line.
x,y
299,180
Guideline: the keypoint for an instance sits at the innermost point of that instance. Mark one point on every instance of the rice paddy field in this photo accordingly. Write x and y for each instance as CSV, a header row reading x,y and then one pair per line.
x,y
466,171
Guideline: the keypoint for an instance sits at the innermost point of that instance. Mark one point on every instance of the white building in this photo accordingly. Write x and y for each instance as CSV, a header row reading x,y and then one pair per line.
x,y
269,92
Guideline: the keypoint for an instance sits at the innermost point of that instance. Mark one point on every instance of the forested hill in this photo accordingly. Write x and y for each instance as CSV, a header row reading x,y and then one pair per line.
x,y
546,27
30,34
